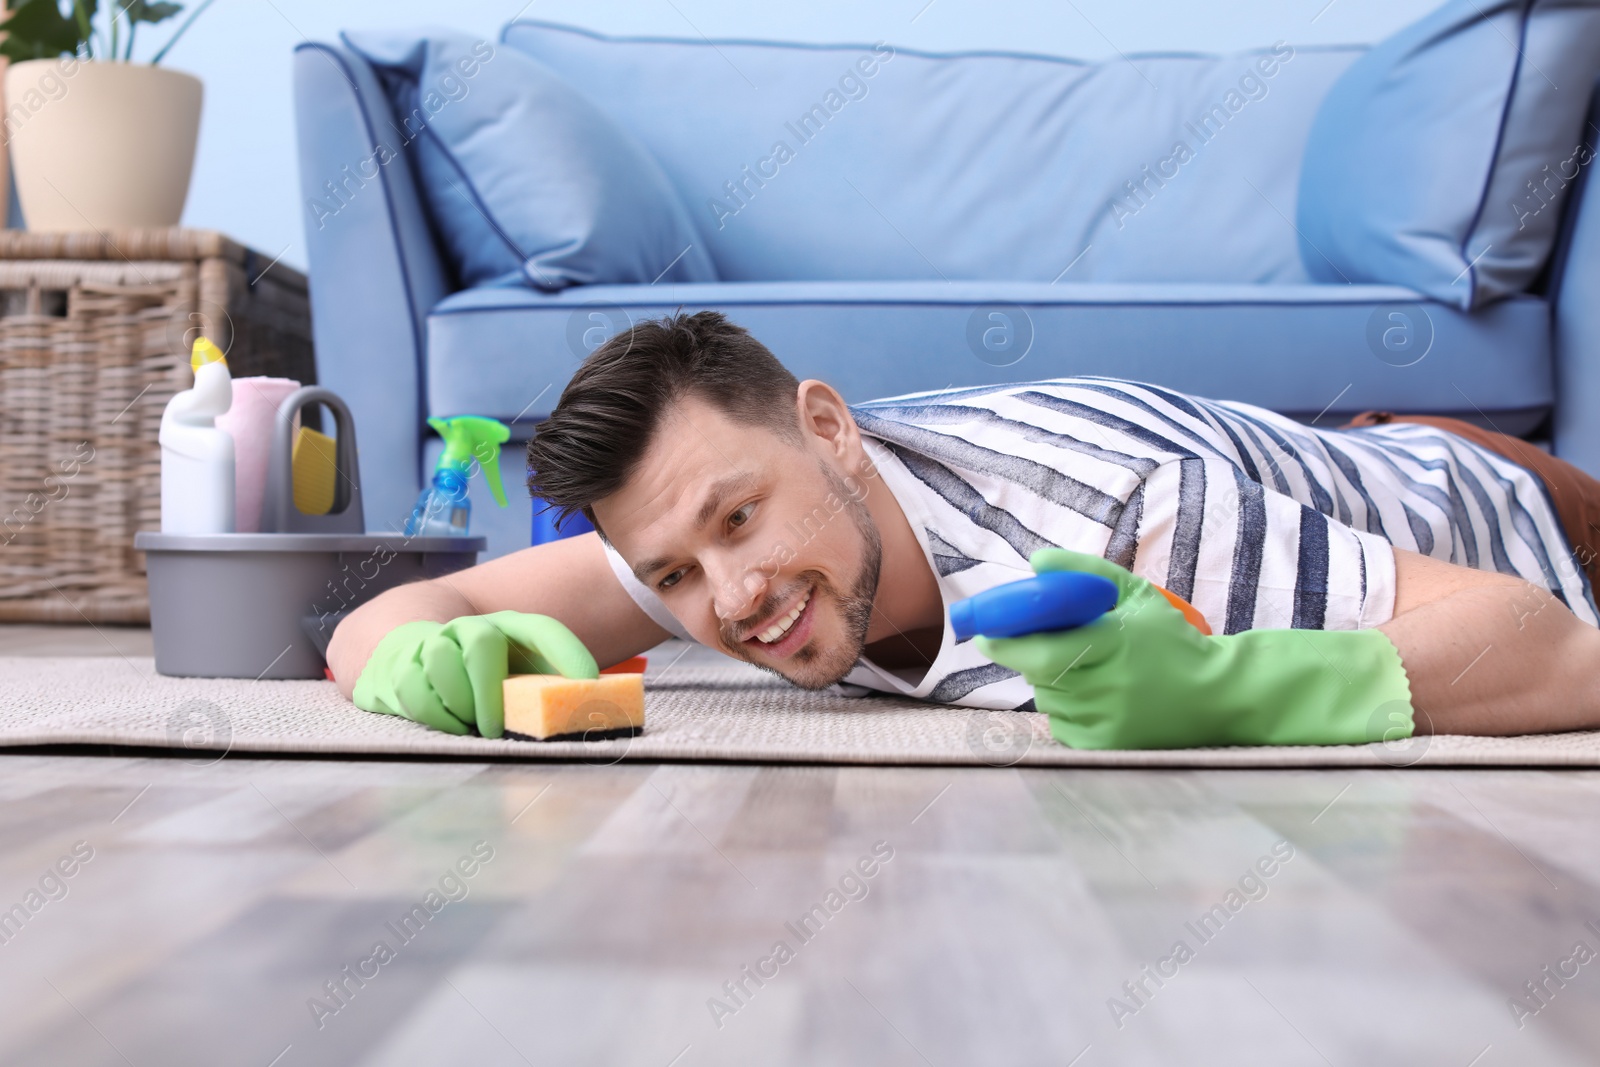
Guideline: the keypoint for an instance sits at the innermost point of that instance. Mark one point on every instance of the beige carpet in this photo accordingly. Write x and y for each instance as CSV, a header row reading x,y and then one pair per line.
x,y
698,712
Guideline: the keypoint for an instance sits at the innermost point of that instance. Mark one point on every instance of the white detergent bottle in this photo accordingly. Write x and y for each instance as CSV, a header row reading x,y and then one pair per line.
x,y
196,456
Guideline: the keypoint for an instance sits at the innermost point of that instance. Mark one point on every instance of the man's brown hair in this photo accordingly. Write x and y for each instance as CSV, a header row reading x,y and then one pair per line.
x,y
610,411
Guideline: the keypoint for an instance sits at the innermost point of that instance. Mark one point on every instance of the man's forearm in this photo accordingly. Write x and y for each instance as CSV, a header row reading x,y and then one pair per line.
x,y
1499,659
360,631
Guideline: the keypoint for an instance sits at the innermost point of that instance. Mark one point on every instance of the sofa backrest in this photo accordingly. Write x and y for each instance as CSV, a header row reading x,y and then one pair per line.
x,y
804,162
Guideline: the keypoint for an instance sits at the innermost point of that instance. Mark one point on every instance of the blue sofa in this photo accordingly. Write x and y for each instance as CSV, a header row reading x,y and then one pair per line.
x,y
951,220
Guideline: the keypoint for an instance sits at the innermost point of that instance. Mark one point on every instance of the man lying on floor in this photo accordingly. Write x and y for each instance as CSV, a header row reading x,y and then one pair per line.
x,y
1359,583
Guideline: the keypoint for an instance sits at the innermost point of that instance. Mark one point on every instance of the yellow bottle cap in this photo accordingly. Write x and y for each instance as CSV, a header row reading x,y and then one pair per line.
x,y
205,352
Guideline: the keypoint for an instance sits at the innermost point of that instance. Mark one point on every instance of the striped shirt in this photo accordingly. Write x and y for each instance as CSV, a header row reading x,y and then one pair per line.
x,y
1255,519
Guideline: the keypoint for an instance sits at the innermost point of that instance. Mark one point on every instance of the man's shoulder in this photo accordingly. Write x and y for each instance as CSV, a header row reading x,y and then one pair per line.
x,y
970,394
1118,418
1083,396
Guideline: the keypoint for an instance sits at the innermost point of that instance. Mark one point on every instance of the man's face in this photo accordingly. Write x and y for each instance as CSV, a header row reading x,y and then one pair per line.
x,y
736,528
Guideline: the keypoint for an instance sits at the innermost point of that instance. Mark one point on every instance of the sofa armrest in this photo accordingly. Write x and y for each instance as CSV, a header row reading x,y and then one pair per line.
x,y
1574,286
374,269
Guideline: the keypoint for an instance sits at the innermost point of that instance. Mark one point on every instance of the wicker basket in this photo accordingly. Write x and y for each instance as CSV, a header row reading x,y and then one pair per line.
x,y
95,331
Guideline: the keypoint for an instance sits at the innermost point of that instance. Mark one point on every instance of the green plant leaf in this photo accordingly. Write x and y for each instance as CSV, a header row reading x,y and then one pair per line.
x,y
84,11
139,11
36,29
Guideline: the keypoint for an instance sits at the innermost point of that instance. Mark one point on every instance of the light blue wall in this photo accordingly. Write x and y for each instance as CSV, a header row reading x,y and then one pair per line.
x,y
245,181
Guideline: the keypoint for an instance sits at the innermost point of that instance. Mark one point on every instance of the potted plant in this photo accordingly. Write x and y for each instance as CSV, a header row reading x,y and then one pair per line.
x,y
96,140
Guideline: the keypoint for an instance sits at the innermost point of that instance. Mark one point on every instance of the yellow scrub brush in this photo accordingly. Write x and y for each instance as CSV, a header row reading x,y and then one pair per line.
x,y
314,468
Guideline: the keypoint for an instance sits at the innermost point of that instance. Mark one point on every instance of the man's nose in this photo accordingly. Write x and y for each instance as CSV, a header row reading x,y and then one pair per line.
x,y
738,586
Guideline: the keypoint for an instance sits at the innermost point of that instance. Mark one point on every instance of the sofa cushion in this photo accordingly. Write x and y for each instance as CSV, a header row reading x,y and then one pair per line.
x,y
1441,159
1300,349
526,181
804,162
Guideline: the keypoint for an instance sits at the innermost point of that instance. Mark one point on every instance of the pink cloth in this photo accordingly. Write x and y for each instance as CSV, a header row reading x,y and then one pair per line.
x,y
250,421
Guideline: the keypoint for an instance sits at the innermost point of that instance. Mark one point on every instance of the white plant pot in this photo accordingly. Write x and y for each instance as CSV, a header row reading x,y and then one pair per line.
x,y
99,145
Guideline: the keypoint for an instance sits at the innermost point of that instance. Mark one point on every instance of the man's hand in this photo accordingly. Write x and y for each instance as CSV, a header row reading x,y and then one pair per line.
x,y
448,675
569,579
1142,677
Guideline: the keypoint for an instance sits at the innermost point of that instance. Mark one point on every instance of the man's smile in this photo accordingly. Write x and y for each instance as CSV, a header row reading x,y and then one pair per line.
x,y
785,632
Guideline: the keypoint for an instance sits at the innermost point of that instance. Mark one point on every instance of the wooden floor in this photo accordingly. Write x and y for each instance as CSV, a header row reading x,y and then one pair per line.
x,y
232,912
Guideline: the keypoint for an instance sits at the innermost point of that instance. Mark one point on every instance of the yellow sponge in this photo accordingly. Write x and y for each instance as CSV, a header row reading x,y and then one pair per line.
x,y
314,470
549,707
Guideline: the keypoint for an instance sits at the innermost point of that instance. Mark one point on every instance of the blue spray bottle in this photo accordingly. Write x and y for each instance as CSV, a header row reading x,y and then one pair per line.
x,y
443,509
1054,600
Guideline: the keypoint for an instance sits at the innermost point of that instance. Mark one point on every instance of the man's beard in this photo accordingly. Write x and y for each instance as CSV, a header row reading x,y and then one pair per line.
x,y
820,668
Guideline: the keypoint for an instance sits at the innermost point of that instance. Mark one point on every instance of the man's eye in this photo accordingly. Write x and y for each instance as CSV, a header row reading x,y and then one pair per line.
x,y
742,516
670,580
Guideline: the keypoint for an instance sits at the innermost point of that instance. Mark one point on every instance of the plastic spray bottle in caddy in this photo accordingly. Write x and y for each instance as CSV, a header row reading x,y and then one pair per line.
x,y
197,490
443,509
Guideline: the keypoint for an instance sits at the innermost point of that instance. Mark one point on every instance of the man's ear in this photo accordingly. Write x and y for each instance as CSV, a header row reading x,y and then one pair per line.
x,y
824,414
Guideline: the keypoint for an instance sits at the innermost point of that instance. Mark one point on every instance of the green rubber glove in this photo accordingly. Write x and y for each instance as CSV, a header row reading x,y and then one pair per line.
x,y
448,675
1141,676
